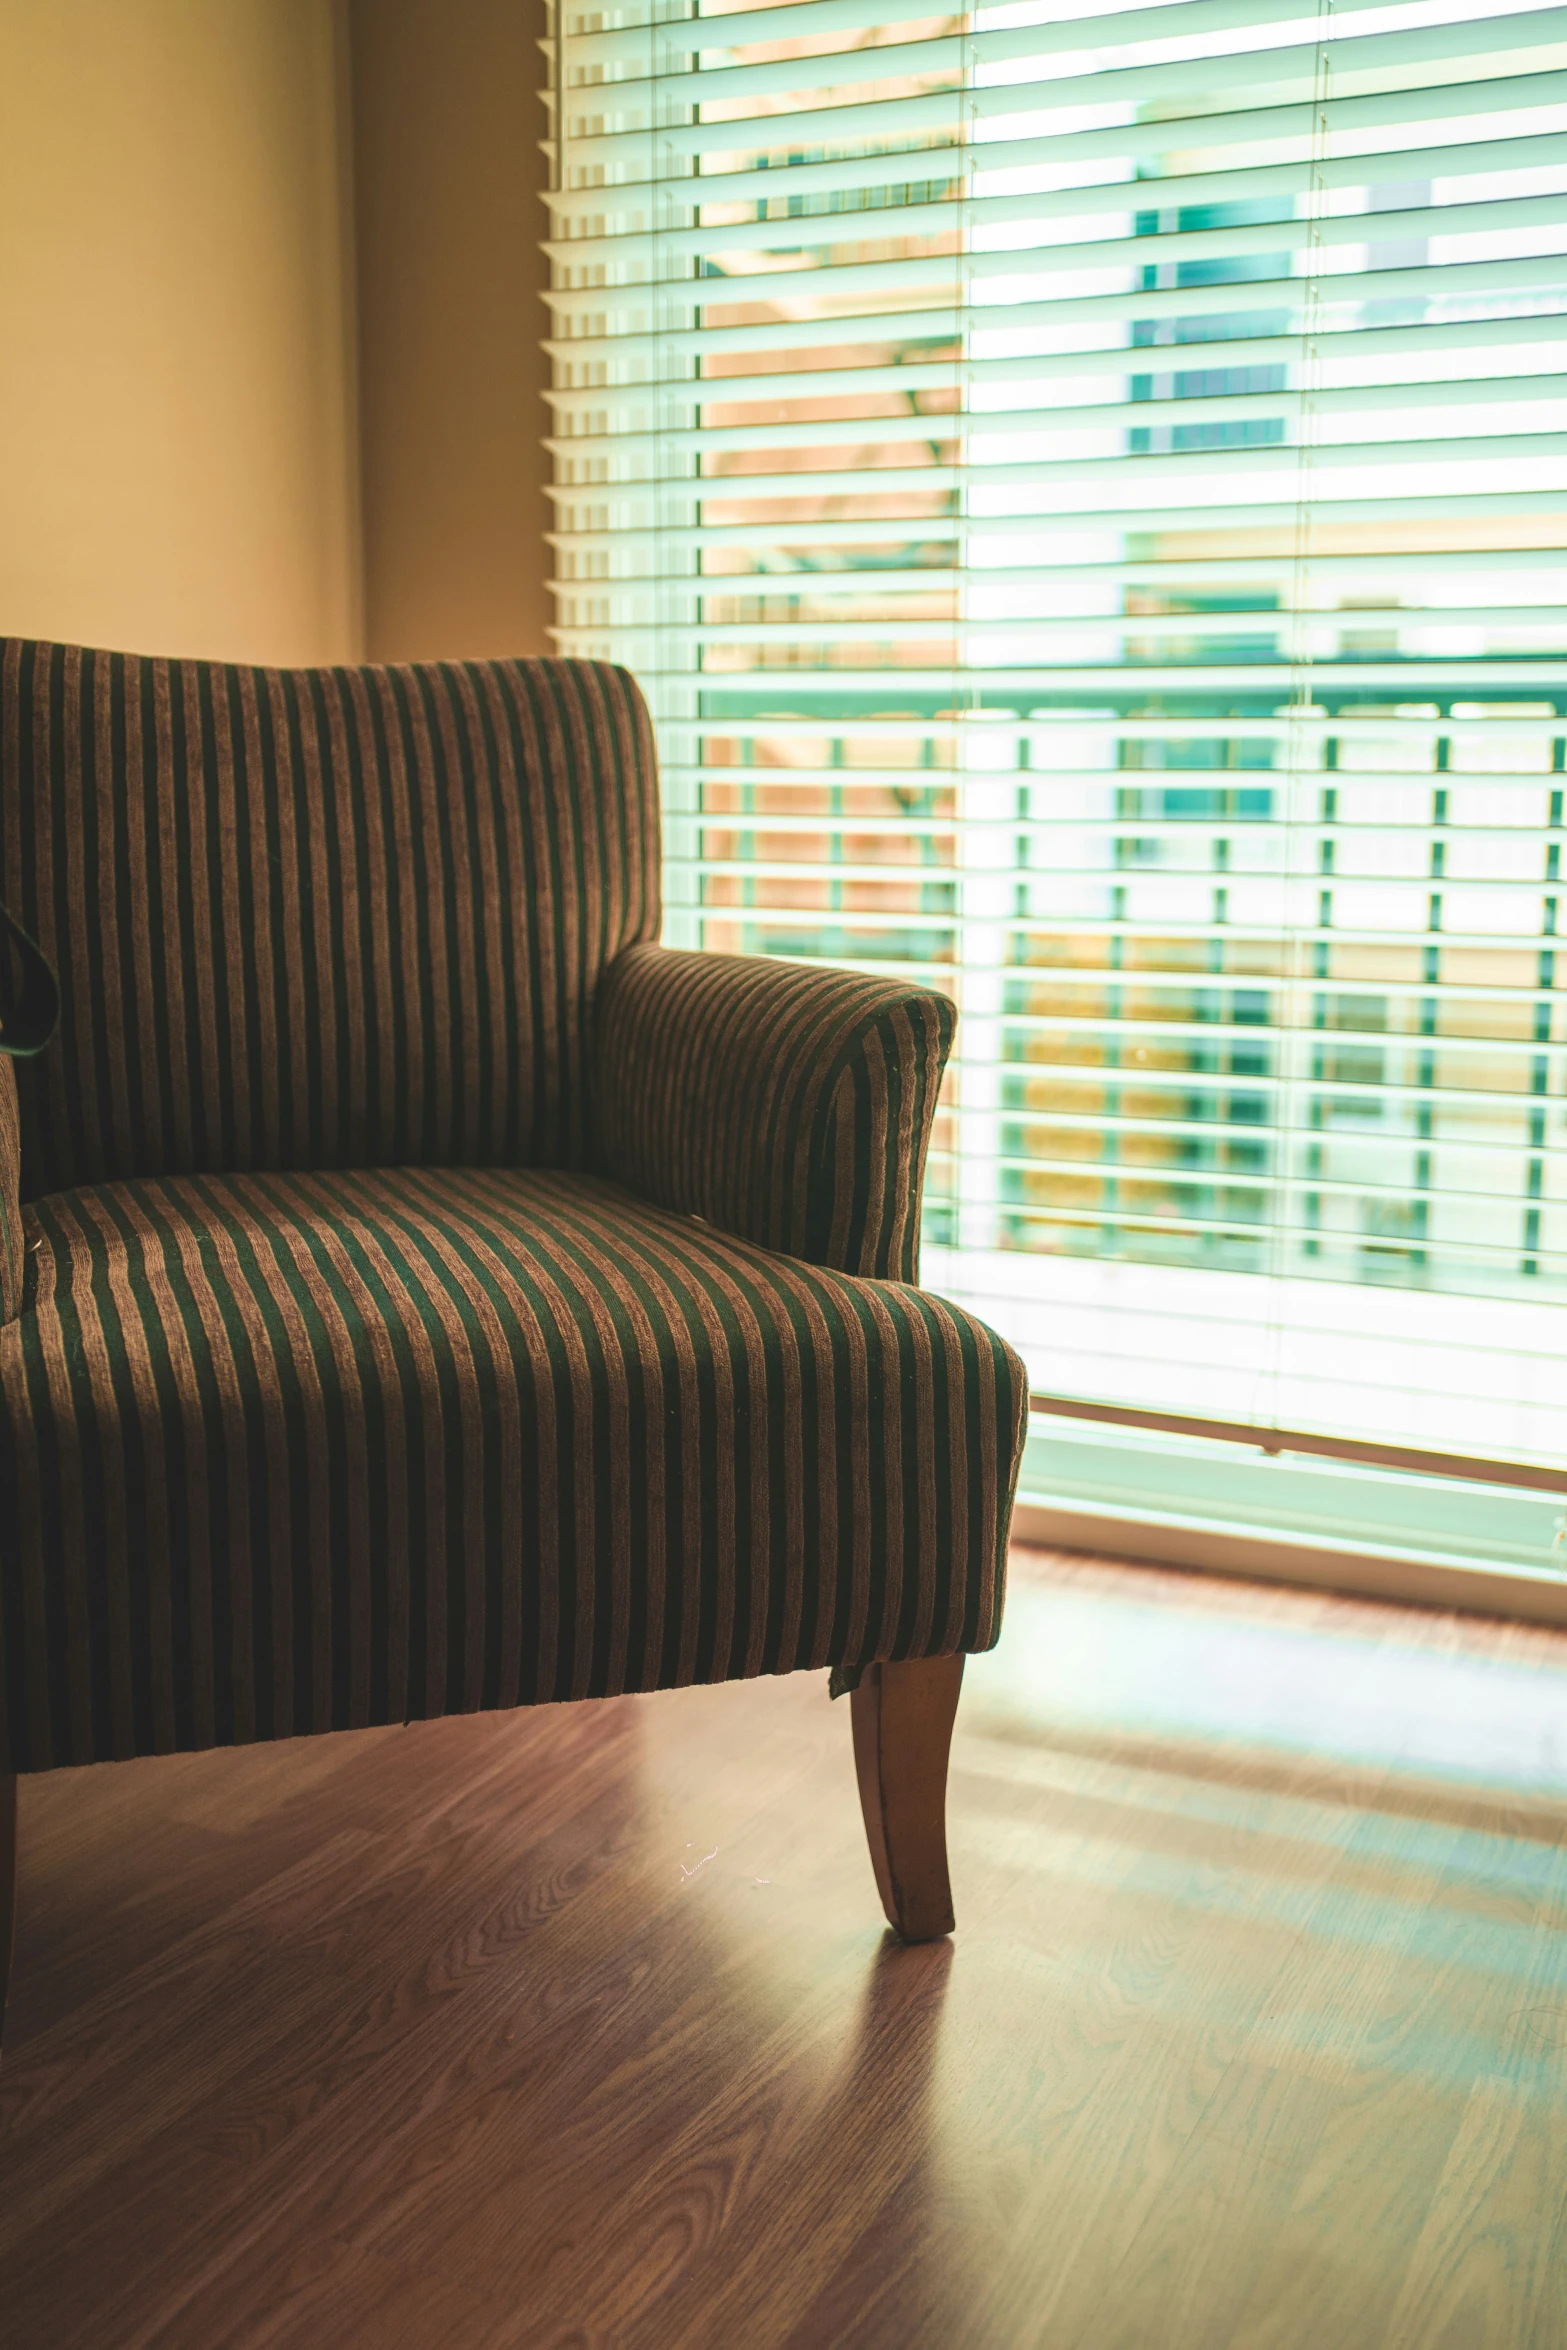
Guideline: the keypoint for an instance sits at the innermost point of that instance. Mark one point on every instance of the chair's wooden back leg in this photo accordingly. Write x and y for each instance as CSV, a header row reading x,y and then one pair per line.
x,y
903,1715
7,1885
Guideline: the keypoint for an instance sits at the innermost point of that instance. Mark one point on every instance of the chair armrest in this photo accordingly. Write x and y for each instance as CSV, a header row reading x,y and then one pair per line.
x,y
12,1260
787,1102
29,1010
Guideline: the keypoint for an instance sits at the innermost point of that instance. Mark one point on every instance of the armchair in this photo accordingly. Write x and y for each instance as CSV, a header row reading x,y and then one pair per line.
x,y
433,1294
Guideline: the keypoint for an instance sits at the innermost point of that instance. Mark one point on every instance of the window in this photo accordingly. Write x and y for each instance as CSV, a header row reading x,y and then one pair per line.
x,y
1083,489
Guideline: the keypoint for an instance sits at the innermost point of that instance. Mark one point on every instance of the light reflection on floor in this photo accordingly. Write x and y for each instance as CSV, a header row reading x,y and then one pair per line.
x,y
1266,1900
1430,1697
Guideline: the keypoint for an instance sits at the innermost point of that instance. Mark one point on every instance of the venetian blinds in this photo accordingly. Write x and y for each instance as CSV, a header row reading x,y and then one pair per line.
x,y
1083,488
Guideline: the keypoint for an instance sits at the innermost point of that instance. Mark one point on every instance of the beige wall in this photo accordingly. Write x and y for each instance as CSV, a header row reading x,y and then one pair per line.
x,y
177,470
235,419
446,131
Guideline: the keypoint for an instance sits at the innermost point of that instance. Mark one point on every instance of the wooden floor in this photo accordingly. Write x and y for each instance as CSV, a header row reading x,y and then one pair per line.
x,y
580,2028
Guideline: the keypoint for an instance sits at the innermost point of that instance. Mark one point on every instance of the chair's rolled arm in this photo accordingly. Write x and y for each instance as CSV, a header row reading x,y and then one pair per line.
x,y
29,1010
12,1262
789,1103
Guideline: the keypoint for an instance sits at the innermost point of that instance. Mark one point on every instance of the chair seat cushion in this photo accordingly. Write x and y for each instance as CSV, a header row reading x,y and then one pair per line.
x,y
293,1452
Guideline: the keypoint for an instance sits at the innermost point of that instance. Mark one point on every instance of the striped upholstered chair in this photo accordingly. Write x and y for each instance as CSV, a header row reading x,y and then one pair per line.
x,y
419,1290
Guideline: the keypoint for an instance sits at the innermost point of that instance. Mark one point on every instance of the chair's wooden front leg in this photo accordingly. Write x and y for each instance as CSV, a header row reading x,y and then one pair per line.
x,y
7,1884
903,1715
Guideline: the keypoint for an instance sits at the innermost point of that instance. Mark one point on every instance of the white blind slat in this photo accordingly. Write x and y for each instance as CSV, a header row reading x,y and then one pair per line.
x,y
676,45
1052,218
1168,59
1439,55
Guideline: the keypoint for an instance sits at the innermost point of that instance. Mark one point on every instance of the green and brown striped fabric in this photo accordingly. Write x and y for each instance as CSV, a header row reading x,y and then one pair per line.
x,y
431,1294
301,1451
786,1102
318,918
29,1015
11,1245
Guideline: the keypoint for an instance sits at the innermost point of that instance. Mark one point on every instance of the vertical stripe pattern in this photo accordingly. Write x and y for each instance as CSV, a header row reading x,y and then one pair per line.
x,y
789,1103
318,918
434,1295
11,1244
29,1014
290,1452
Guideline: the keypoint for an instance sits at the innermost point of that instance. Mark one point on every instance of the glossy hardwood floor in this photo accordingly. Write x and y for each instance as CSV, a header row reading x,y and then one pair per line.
x,y
581,2027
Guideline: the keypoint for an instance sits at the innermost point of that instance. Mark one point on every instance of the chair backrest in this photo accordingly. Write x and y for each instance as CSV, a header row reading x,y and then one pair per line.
x,y
318,917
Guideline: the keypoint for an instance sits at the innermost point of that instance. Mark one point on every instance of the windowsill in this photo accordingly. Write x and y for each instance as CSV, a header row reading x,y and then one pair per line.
x,y
1229,1510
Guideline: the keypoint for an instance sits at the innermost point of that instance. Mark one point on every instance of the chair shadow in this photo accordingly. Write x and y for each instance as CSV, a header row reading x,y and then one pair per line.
x,y
554,2168
901,2278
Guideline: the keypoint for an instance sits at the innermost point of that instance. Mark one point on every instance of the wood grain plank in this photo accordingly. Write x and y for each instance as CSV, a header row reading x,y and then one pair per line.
x,y
1481,2269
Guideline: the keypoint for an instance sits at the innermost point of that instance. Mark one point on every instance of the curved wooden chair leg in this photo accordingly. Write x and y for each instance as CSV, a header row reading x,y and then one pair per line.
x,y
903,1715
7,1885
